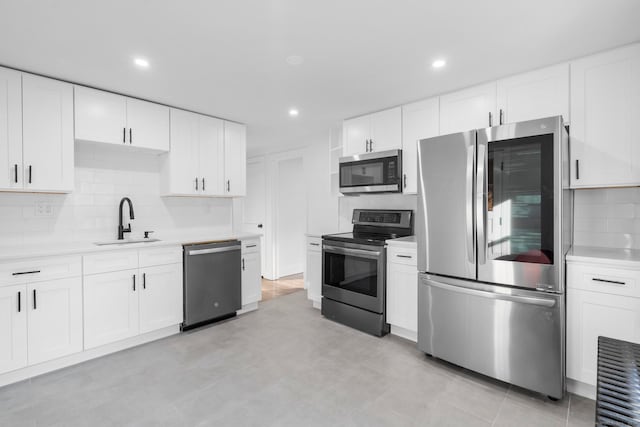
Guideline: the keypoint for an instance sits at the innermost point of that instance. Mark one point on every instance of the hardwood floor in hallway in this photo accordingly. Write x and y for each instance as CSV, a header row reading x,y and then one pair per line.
x,y
283,286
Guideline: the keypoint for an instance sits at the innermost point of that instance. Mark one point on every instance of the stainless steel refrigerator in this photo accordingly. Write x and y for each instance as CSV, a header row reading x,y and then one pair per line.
x,y
493,228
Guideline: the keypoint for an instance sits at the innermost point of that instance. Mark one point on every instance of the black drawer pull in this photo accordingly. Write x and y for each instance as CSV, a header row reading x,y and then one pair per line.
x,y
595,279
314,244
404,256
251,246
20,273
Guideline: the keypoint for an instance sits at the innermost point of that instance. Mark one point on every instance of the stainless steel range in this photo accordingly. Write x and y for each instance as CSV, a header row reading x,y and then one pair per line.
x,y
354,269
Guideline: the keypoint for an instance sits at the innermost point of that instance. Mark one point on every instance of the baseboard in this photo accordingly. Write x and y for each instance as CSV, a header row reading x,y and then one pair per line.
x,y
83,356
404,333
581,389
316,302
247,308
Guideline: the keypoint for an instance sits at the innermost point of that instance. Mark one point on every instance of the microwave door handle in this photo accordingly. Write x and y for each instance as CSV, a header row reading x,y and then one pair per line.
x,y
469,205
481,203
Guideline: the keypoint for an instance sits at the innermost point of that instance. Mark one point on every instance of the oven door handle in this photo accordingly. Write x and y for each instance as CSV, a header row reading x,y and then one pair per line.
x,y
350,251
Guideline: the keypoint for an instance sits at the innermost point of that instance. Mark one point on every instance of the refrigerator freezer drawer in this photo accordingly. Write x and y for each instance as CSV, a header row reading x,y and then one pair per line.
x,y
516,336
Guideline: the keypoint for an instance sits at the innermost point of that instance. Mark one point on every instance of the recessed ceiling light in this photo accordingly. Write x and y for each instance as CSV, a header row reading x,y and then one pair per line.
x,y
439,63
293,112
141,62
294,60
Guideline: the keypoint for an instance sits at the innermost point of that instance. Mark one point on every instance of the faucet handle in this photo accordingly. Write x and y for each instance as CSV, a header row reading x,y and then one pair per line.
x,y
146,234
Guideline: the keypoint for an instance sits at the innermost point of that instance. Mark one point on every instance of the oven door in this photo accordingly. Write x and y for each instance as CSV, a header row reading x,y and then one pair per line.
x,y
371,173
354,274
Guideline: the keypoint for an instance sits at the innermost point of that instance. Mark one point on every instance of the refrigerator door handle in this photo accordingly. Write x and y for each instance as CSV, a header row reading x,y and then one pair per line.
x,y
544,302
481,204
469,206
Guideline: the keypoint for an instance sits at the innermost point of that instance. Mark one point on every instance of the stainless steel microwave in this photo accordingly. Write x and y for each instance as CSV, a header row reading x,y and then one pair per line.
x,y
379,172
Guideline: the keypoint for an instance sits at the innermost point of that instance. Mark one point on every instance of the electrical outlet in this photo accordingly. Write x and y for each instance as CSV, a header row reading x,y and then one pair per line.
x,y
44,209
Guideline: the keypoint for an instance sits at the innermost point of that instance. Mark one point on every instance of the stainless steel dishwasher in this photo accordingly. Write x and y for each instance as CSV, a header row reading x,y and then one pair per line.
x,y
212,283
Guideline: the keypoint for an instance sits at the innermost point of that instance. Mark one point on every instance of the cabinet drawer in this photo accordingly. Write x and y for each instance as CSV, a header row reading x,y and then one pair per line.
x,y
110,261
314,244
160,256
603,279
250,245
40,269
402,256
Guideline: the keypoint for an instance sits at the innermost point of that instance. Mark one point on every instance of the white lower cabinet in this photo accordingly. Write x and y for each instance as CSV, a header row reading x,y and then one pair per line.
x,y
160,297
251,272
110,307
13,327
402,291
601,301
313,270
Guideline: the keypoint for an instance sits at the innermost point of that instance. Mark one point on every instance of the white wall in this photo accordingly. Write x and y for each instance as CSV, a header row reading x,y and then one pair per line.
x,y
608,217
322,202
102,178
291,218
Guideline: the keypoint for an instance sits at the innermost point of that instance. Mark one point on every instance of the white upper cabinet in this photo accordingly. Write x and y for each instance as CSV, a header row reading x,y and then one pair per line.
x,y
195,165
115,119
235,159
534,95
10,129
148,124
374,132
605,107
100,116
472,108
47,134
419,120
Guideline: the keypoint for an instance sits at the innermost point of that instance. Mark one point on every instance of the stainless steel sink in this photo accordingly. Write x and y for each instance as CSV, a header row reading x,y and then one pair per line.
x,y
125,242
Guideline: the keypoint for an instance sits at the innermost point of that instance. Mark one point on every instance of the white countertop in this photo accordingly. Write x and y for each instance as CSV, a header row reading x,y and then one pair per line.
x,y
404,242
14,252
623,257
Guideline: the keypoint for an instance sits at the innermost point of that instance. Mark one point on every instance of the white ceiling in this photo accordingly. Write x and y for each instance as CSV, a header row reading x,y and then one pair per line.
x,y
227,58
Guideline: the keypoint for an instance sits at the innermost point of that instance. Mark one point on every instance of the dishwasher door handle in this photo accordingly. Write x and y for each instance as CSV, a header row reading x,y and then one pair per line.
x,y
214,250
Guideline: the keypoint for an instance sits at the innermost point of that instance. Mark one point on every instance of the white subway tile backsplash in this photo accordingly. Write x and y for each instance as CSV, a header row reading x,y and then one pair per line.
x,y
90,213
608,217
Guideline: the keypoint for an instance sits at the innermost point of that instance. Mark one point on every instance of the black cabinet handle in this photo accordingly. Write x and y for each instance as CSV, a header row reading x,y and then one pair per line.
x,y
124,135
130,135
251,246
259,225
203,184
19,301
34,299
501,122
371,145
196,183
228,185
490,119
615,282
15,172
404,256
404,177
20,273
314,244
144,280
242,264
577,169
29,174
134,283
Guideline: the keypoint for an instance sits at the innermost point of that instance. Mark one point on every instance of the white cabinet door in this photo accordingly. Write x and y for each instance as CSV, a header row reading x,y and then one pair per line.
x,y
100,116
148,125
13,327
160,297
47,134
235,159
419,120
356,134
110,307
386,130
402,296
55,319
211,157
605,106
535,95
180,169
592,314
313,271
10,129
473,108
251,278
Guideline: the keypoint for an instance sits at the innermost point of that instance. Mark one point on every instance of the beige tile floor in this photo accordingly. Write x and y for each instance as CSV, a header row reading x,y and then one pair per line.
x,y
283,286
281,365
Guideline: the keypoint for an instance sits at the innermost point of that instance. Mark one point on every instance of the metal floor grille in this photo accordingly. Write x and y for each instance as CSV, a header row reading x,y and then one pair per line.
x,y
618,390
